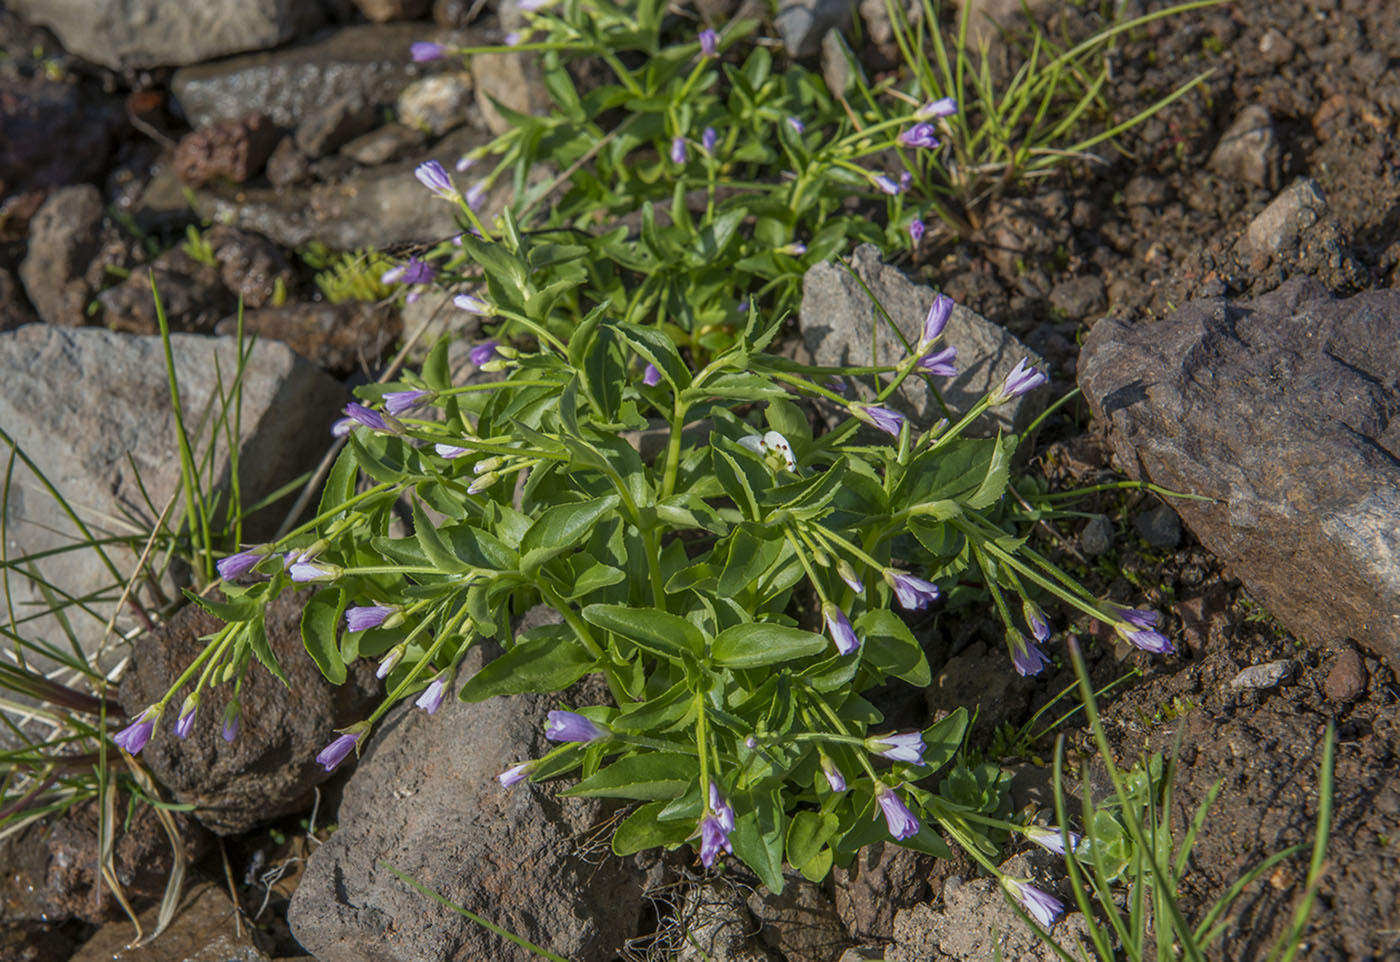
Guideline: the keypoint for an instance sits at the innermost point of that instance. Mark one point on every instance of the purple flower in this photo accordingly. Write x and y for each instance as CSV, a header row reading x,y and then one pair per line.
x,y
239,564
389,662
1148,639
483,352
304,571
366,617
901,821
342,427
916,230
133,737
334,753
1041,906
713,838
513,39
838,626
795,249
1049,838
474,305
936,320
476,194
708,139
834,778
1021,379
231,719
798,127
516,774
880,417
913,592
677,150
1035,621
919,135
905,179
412,271
431,699
366,417
184,722
449,451
651,376
836,385
848,575
431,175
1140,617
943,107
899,747
464,163
939,363
423,51
721,808
568,726
887,185
709,42
1026,656
399,402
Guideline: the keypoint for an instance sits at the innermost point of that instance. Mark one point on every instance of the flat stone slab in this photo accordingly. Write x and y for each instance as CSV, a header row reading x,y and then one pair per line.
x,y
1286,410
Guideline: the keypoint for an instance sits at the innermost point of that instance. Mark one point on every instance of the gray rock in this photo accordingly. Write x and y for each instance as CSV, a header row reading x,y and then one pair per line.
x,y
863,953
1159,526
1276,48
201,931
973,923
370,208
881,880
1268,675
715,926
136,34
288,166
838,322
1249,150
64,237
14,308
338,122
513,80
987,19
389,142
1080,297
1282,409
800,924
436,104
1097,536
94,444
424,799
1280,225
803,23
270,769
292,83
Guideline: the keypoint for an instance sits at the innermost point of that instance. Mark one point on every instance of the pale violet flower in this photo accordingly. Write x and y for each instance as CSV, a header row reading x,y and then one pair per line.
x,y
901,822
912,591
899,746
424,51
1041,906
134,737
943,107
431,175
838,628
336,752
431,698
568,726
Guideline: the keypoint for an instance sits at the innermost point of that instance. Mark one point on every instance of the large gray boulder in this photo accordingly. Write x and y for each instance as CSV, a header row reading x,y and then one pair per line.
x,y
424,799
1286,411
839,323
91,409
136,34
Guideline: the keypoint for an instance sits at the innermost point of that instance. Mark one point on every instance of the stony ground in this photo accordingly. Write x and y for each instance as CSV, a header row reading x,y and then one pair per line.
x,y
1298,90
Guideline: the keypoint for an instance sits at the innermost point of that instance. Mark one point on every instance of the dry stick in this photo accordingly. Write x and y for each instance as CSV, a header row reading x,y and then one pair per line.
x,y
110,630
232,891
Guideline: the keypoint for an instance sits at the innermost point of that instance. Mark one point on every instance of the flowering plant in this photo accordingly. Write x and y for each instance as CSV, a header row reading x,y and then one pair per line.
x,y
735,591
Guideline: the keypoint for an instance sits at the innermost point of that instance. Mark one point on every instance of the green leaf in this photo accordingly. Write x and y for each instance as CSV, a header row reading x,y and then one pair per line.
x,y
340,483
807,835
654,775
657,631
561,528
734,477
319,620
758,837
239,609
943,739
788,420
642,830
436,371
659,350
752,550
757,644
659,713
548,661
433,547
262,650
892,648
927,841
993,484
716,235
590,575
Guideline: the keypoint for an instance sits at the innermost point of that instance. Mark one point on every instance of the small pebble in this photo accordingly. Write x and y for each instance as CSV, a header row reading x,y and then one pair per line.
x,y
1159,526
1267,675
1097,536
1347,679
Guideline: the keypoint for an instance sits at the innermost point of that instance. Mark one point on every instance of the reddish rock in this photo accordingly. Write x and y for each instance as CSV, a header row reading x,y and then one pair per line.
x,y
233,150
1347,679
250,265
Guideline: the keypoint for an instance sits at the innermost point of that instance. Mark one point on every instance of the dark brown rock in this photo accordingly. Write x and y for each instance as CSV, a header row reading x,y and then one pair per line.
x,y
800,924
251,266
424,799
1347,679
881,880
53,133
203,930
1204,616
51,867
340,120
233,150
270,769
335,336
64,237
382,11
1080,297
14,309
191,292
383,145
1286,410
34,942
